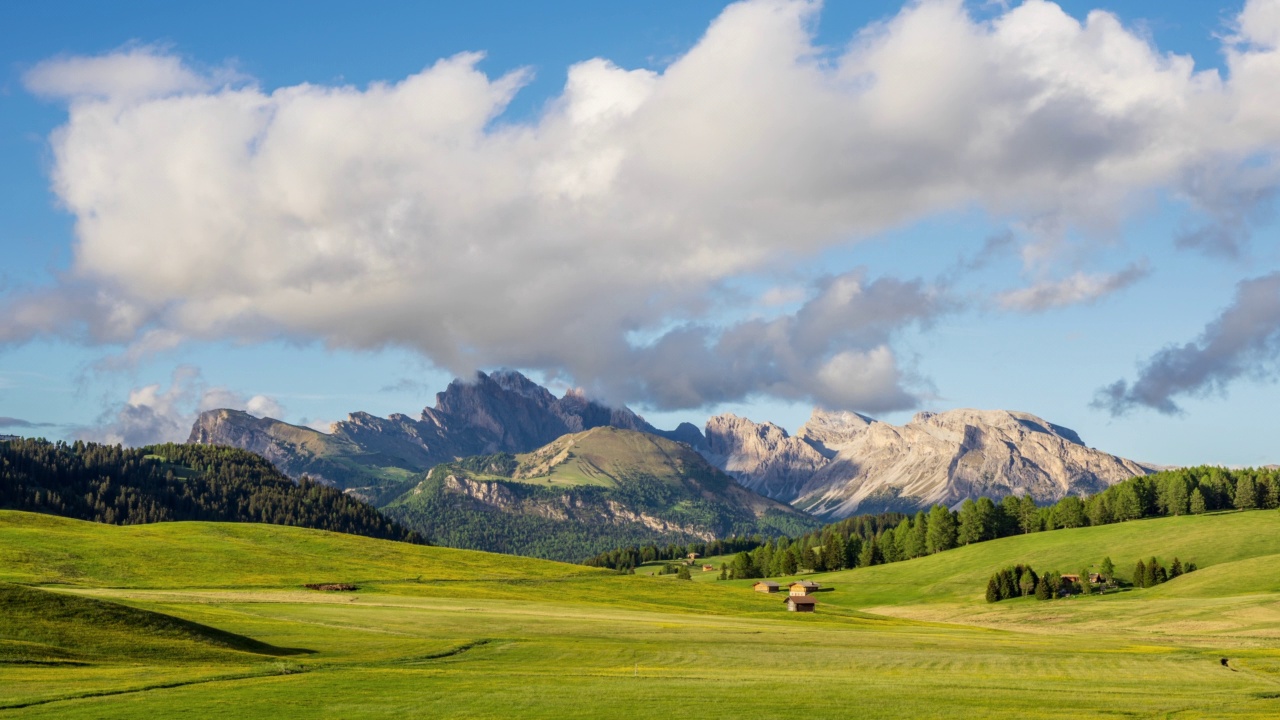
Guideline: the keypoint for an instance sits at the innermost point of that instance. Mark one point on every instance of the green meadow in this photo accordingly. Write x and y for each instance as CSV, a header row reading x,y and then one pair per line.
x,y
211,620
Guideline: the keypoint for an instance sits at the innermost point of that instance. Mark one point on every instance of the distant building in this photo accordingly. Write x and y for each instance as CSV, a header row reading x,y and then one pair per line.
x,y
708,568
804,587
693,556
766,586
801,603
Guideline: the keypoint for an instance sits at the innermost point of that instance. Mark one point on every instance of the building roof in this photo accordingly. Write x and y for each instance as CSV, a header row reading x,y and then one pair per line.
x,y
768,583
806,584
801,600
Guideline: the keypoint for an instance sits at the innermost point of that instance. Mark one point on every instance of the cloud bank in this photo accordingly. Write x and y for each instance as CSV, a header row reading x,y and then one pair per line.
x,y
411,214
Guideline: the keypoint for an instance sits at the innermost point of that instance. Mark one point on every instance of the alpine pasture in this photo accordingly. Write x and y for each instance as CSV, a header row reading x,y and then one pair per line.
x,y
212,620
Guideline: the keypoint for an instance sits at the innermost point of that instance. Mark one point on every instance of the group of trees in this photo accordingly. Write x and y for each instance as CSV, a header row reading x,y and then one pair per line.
x,y
1152,573
127,486
1021,580
634,556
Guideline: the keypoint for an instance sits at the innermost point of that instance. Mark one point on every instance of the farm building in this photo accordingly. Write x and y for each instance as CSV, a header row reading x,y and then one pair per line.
x,y
693,556
804,587
765,586
801,603
708,568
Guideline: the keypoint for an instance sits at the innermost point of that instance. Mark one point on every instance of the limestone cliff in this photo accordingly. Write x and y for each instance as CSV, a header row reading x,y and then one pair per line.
x,y
841,464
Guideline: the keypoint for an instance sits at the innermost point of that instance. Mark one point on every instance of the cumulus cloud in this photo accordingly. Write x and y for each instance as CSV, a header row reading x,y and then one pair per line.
x,y
154,414
1079,288
409,214
1242,341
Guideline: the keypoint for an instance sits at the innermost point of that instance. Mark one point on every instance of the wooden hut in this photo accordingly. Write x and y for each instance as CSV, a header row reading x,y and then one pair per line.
x,y
766,586
802,588
801,603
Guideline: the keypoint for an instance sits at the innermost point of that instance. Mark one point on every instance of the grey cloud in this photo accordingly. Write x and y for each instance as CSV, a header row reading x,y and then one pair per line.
x,y
833,352
12,422
1243,341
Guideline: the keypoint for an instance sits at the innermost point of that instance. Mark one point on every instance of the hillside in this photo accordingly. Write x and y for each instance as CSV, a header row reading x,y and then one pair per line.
x,y
839,464
54,628
460,633
164,483
585,493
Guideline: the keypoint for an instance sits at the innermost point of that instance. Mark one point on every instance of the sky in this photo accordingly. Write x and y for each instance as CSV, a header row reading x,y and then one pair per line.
x,y
311,209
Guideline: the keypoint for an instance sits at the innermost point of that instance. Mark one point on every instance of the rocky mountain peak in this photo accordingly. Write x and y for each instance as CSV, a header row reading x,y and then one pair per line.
x,y
826,429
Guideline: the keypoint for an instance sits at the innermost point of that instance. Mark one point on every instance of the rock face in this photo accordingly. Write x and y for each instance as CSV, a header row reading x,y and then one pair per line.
x,y
501,412
839,464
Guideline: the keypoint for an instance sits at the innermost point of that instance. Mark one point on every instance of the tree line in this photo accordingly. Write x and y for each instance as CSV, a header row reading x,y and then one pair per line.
x,y
866,540
160,483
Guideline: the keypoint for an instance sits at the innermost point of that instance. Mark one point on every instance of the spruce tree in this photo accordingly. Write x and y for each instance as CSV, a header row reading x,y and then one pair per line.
x,y
1197,504
1175,569
941,534
1042,589
1246,492
993,590
1140,574
1151,576
868,556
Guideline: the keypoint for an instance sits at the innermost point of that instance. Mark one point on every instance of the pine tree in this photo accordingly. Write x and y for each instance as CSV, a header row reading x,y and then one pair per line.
x,y
1086,587
1140,574
970,524
1175,569
1197,503
1151,575
1246,492
1042,590
993,590
941,534
683,573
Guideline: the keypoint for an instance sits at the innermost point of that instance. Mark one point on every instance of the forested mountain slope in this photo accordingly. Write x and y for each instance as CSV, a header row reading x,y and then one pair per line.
x,y
110,484
586,493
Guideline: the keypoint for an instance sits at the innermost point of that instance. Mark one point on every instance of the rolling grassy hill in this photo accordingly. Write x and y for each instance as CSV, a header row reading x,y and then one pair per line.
x,y
454,633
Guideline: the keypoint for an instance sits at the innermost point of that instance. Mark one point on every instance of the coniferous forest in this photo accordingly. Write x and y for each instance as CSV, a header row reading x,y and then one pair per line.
x,y
124,486
889,537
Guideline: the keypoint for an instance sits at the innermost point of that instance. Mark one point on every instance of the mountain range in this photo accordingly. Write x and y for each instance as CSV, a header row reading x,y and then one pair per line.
x,y
837,464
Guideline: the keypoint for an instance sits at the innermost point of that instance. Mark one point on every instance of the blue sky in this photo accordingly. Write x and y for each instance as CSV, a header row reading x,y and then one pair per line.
x,y
869,206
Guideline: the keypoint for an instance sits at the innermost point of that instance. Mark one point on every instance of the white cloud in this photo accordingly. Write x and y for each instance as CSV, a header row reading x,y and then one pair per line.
x,y
401,214
1076,289
132,74
154,414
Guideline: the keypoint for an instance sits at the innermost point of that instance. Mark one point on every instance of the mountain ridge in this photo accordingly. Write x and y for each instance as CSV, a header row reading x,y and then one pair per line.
x,y
836,464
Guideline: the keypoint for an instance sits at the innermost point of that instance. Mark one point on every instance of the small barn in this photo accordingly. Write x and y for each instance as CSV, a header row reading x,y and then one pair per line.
x,y
693,556
802,588
708,568
766,586
801,603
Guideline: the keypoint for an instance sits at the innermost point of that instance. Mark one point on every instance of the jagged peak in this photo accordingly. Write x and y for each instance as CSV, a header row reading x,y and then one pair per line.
x,y
1008,419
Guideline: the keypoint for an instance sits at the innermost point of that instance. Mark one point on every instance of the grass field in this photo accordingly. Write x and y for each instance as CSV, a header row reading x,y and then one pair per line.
x,y
206,620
